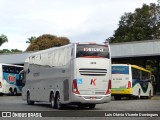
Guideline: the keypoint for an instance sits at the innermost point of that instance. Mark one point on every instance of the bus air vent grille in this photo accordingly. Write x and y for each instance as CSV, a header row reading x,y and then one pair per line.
x,y
92,72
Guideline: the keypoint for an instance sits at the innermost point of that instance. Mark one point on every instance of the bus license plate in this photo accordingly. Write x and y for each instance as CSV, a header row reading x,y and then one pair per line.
x,y
93,98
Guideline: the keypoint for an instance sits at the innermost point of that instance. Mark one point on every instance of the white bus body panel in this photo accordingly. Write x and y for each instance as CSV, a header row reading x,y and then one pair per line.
x,y
88,89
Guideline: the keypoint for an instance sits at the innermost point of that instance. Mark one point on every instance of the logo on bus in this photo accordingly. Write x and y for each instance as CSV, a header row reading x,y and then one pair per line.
x,y
11,78
93,49
93,81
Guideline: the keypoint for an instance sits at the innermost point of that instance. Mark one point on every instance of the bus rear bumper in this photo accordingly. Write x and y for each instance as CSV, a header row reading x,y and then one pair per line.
x,y
91,99
121,91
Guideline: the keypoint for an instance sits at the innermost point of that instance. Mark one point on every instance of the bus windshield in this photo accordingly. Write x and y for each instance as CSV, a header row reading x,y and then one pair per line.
x,y
11,69
92,51
120,69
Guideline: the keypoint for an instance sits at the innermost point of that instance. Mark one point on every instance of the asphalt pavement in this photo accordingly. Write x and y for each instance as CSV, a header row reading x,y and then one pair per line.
x,y
15,103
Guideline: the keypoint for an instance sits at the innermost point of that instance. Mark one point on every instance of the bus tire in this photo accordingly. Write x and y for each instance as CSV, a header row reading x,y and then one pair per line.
x,y
29,102
52,100
139,94
11,92
149,96
15,92
58,105
92,106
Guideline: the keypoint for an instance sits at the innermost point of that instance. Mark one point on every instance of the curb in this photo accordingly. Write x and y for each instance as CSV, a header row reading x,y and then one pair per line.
x,y
155,98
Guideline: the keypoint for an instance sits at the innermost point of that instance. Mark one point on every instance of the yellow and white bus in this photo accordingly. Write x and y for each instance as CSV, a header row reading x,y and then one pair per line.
x,y
131,80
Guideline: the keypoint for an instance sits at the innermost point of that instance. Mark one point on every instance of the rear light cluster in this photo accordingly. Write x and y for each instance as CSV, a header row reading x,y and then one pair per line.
x,y
74,87
109,88
129,84
0,84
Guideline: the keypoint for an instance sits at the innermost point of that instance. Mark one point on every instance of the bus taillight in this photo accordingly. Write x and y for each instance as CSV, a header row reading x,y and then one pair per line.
x,y
129,84
109,87
74,87
0,84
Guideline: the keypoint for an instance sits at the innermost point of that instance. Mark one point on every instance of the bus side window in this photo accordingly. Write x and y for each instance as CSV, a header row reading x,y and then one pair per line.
x,y
145,75
135,74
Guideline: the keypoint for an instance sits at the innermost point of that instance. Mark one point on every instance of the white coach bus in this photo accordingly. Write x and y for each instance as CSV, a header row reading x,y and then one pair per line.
x,y
77,74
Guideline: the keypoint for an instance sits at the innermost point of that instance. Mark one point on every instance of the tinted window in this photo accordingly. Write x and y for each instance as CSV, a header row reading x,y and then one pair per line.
x,y
120,69
140,75
92,51
136,74
11,69
145,75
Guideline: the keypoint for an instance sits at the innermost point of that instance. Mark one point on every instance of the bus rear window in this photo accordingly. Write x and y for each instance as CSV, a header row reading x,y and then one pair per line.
x,y
120,70
92,51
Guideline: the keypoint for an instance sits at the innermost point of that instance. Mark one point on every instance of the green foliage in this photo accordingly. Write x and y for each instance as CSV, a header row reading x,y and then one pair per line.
x,y
3,39
31,39
9,51
143,24
47,41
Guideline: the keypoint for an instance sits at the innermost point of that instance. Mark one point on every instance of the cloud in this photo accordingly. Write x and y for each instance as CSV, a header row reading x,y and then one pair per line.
x,y
79,20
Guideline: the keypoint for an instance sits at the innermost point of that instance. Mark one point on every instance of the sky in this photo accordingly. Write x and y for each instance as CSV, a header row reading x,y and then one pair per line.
x,y
78,20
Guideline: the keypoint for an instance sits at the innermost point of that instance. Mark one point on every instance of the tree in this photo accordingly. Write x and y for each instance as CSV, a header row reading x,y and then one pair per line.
x,y
3,39
9,51
31,39
15,50
47,41
143,24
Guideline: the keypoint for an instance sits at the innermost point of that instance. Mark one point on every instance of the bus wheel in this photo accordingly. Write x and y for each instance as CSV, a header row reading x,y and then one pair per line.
x,y
11,91
139,94
149,97
52,101
15,92
92,106
57,102
29,102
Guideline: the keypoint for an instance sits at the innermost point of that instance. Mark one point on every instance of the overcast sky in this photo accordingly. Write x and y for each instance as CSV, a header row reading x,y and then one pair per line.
x,y
79,20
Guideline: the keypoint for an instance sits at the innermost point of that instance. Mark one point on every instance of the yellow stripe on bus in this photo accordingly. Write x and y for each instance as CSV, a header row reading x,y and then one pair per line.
x,y
121,91
140,68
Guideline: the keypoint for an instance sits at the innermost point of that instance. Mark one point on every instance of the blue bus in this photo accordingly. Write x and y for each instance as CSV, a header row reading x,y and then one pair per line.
x,y
10,79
